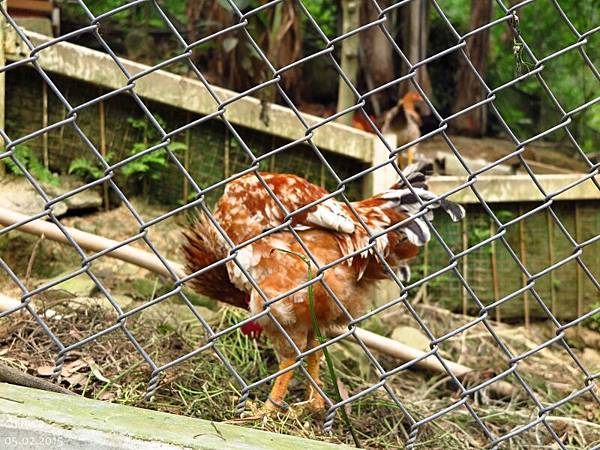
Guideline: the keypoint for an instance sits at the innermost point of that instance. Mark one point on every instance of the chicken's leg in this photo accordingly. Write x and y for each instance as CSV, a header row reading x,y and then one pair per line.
x,y
410,155
280,387
315,400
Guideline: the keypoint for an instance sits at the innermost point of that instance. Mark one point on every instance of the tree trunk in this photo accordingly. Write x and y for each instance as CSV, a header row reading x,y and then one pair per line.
x,y
193,12
416,31
349,59
377,57
469,89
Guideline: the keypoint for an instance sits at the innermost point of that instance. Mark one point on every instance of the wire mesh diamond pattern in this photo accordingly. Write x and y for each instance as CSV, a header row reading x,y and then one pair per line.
x,y
464,399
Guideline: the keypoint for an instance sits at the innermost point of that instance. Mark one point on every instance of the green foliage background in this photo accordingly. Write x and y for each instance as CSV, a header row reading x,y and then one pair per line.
x,y
525,107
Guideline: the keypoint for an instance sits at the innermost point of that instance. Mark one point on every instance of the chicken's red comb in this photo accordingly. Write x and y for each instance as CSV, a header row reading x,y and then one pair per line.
x,y
252,329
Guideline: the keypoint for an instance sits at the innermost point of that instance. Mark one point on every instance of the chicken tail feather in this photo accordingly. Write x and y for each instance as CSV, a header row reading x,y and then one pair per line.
x,y
410,199
202,248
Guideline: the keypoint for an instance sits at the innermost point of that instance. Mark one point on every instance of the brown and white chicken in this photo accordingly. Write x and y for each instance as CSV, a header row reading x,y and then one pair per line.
x,y
335,238
405,122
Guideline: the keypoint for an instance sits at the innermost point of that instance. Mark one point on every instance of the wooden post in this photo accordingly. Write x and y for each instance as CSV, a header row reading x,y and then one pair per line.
x,y
2,82
415,25
349,60
386,176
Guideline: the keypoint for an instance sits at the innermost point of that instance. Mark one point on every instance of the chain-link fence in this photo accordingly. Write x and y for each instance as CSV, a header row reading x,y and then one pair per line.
x,y
466,395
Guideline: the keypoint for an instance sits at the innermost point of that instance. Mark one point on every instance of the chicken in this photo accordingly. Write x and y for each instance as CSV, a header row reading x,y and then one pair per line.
x,y
404,121
276,262
360,122
359,119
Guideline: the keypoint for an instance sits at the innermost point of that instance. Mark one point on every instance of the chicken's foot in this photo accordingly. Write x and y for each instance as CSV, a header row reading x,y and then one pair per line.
x,y
276,400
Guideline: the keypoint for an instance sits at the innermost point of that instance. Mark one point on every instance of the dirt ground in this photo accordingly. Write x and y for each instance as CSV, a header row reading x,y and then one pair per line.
x,y
110,368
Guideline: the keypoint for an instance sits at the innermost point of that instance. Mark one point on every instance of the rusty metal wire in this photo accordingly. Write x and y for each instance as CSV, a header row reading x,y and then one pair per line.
x,y
508,16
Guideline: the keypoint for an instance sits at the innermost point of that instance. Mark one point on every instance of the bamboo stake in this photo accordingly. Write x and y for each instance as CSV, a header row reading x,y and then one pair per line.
x,y
103,150
465,267
45,124
551,261
425,267
89,241
2,85
522,251
495,271
406,353
226,145
272,158
151,262
578,267
186,162
322,175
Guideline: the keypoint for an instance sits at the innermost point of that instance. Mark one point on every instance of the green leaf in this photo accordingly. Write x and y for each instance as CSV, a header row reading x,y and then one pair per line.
x,y
32,164
243,4
177,146
138,124
85,168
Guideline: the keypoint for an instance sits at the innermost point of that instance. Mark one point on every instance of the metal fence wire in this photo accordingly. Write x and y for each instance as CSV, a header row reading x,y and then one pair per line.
x,y
509,16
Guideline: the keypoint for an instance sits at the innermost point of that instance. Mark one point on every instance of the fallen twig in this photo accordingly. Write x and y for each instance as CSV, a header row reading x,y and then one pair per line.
x,y
15,376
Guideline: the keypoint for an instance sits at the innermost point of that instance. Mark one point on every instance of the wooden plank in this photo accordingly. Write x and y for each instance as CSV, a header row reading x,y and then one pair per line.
x,y
35,6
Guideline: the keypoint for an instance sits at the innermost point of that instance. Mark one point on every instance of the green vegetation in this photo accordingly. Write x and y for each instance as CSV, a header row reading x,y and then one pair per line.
x,y
87,169
325,14
146,165
526,107
32,164
322,340
595,319
143,169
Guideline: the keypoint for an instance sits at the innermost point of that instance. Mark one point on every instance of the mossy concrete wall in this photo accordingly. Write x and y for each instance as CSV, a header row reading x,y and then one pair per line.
x,y
30,418
213,153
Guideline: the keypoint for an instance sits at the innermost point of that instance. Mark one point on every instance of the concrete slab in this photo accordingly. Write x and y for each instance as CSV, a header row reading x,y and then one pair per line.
x,y
518,188
82,63
31,418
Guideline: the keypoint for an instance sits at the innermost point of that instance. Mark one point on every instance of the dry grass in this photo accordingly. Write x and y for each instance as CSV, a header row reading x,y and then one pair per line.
x,y
110,369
